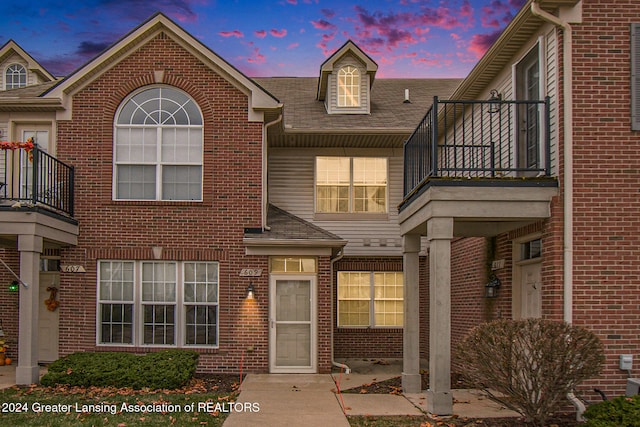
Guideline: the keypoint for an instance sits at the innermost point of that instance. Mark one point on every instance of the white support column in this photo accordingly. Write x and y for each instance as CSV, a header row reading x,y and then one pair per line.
x,y
440,234
411,378
30,248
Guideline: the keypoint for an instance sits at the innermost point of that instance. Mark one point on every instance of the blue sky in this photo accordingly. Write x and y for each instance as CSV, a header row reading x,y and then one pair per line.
x,y
407,38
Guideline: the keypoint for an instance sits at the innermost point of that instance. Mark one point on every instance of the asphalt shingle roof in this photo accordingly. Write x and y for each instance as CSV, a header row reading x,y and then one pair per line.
x,y
302,111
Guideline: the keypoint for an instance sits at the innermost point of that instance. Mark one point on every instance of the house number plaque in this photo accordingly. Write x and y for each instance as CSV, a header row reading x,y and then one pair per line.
x,y
72,269
251,272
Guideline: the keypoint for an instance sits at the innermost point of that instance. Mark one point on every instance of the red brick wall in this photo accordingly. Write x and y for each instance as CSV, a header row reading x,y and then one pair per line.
x,y
9,302
365,342
208,230
606,182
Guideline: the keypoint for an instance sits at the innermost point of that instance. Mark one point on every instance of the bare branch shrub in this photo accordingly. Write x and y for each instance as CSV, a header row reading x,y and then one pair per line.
x,y
529,365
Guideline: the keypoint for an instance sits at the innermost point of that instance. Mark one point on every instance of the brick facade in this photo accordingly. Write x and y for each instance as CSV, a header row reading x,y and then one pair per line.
x,y
211,230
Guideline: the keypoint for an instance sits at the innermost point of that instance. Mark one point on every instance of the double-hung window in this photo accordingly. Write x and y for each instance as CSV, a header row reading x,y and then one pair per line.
x,y
370,299
351,185
158,303
158,147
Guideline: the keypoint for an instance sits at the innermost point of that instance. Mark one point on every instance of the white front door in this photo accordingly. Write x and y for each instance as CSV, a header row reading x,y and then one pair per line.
x,y
531,284
292,324
48,320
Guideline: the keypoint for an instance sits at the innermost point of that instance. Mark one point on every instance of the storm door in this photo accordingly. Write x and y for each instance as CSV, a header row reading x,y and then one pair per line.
x,y
292,328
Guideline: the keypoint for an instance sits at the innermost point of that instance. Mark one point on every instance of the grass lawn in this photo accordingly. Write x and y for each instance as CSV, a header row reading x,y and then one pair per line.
x,y
73,406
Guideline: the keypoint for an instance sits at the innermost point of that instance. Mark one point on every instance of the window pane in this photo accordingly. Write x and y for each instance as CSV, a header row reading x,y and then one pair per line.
x,y
136,182
348,87
116,324
370,184
155,121
201,312
181,183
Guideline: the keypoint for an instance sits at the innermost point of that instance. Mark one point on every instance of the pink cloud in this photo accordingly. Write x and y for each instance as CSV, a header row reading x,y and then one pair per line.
x,y
321,24
293,2
293,46
257,57
260,34
278,33
234,33
328,13
481,42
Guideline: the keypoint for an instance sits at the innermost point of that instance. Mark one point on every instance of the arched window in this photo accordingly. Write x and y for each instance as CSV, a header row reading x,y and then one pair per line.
x,y
15,77
158,146
348,87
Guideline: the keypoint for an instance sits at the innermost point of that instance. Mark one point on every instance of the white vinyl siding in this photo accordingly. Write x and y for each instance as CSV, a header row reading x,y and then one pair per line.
x,y
291,187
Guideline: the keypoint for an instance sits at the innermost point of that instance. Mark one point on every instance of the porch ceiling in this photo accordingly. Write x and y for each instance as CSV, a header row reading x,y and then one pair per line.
x,y
480,210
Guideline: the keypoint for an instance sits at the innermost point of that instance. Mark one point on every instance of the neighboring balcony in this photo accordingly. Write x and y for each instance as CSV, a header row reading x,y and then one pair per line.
x,y
36,195
486,164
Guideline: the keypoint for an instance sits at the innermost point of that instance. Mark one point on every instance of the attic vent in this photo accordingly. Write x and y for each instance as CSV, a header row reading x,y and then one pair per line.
x,y
406,97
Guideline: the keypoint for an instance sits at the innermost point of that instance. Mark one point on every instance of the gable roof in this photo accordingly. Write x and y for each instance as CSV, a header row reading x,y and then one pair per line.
x,y
290,230
34,66
328,66
259,99
498,56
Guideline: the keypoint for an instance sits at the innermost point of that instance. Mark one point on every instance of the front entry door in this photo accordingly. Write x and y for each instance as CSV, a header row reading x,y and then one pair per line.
x,y
292,325
531,284
48,320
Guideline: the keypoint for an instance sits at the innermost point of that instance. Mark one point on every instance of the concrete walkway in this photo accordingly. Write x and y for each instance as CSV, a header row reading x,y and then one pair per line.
x,y
288,400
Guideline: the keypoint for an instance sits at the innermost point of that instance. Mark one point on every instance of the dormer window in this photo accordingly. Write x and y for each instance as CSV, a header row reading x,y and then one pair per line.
x,y
15,77
346,78
348,87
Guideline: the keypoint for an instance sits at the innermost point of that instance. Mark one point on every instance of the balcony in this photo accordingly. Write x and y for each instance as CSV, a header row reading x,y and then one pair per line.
x,y
33,179
483,141
485,164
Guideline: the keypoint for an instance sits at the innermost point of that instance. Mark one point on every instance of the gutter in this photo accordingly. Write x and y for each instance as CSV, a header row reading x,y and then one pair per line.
x,y
567,92
347,370
265,195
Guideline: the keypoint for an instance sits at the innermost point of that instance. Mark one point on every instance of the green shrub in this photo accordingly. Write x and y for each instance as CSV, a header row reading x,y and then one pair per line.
x,y
530,365
619,412
166,369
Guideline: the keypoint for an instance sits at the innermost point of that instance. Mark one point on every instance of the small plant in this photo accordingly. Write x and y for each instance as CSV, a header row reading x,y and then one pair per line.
x,y
167,369
619,412
530,365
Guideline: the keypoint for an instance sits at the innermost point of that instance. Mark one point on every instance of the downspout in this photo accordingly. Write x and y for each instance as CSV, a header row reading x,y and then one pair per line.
x,y
567,94
265,194
337,258
568,154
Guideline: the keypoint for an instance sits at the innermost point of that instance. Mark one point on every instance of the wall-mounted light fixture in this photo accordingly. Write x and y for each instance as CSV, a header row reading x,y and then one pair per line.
x,y
491,288
495,98
14,286
251,291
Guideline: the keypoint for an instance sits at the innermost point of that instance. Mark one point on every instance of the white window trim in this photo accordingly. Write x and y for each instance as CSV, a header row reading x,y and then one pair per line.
x,y
26,76
138,308
372,299
159,163
351,212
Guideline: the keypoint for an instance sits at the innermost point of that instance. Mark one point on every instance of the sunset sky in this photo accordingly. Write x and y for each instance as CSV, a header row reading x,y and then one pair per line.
x,y
407,38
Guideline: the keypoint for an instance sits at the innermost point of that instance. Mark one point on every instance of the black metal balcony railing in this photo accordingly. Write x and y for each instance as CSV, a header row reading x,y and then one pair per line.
x,y
478,139
35,178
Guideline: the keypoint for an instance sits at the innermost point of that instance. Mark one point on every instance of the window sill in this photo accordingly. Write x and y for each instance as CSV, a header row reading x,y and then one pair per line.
x,y
351,217
370,329
152,349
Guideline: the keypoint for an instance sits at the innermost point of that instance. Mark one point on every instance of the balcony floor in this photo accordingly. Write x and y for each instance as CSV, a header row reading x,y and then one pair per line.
x,y
479,207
